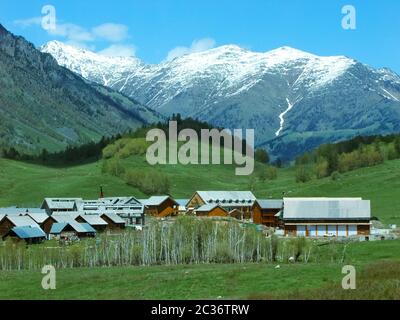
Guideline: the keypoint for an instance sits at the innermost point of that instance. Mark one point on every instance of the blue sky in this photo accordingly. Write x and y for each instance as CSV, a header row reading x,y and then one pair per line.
x,y
154,29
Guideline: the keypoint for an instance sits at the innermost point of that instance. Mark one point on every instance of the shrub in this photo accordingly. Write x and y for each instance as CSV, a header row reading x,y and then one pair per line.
x,y
335,175
303,174
321,168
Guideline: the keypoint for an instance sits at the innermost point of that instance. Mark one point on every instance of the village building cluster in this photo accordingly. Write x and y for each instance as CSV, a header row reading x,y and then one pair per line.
x,y
75,218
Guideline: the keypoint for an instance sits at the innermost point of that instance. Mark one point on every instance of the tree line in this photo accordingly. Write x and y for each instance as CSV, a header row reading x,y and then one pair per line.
x,y
333,159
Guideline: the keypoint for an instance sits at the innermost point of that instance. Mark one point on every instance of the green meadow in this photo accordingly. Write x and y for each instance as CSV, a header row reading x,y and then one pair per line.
x,y
25,184
377,266
378,263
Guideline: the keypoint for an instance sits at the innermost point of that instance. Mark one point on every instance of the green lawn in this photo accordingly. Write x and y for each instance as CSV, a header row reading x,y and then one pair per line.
x,y
241,281
26,184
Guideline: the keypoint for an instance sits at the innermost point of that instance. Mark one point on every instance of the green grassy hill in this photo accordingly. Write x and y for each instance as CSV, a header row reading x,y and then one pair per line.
x,y
27,184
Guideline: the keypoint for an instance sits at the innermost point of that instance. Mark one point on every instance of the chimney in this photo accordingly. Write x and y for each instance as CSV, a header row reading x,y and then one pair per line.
x,y
101,192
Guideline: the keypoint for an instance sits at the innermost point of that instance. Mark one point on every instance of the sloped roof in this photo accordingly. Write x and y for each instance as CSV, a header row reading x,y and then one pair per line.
x,y
19,211
156,200
207,207
62,203
182,202
93,219
28,232
114,217
227,197
22,221
57,228
65,217
119,200
38,217
270,203
326,208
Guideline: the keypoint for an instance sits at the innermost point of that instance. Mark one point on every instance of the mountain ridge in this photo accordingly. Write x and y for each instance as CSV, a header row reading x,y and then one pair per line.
x,y
290,97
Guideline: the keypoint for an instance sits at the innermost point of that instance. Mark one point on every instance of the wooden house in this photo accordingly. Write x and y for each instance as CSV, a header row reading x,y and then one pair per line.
x,y
114,222
128,208
94,220
228,200
182,209
326,217
31,235
43,220
72,230
211,210
237,214
160,206
63,205
9,222
266,212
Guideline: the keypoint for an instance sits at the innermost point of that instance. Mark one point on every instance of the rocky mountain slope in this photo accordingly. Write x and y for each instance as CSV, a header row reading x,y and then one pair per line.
x,y
44,105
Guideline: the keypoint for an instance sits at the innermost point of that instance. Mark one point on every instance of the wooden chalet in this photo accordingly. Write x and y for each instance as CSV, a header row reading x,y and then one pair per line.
x,y
211,210
72,230
160,206
266,212
43,220
12,221
94,220
31,235
326,217
114,222
52,205
237,214
228,200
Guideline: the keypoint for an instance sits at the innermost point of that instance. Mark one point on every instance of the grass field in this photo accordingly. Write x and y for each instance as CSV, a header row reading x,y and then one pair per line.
x,y
27,184
233,281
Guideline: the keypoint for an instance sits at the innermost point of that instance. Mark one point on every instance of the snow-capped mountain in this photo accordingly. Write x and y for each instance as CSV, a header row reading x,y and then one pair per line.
x,y
293,99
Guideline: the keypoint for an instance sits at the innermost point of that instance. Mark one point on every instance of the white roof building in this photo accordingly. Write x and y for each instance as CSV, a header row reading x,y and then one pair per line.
x,y
326,209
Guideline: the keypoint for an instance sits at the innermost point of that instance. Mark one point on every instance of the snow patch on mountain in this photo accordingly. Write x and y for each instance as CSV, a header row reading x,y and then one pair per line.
x,y
282,115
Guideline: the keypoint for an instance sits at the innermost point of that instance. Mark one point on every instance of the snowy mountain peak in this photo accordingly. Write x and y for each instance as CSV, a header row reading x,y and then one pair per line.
x,y
64,52
286,94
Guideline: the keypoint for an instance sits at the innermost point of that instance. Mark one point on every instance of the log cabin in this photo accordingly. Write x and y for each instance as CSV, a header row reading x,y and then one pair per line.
x,y
265,211
31,235
160,206
228,200
211,210
72,230
182,206
326,217
52,205
43,220
94,220
237,214
114,222
9,222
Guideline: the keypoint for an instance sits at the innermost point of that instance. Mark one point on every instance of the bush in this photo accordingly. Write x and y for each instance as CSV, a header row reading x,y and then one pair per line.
x,y
261,156
321,168
113,167
272,173
303,174
149,183
335,175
